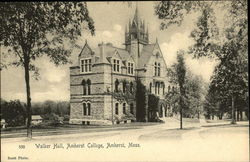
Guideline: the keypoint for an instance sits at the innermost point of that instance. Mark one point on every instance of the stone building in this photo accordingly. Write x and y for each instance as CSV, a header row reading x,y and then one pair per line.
x,y
107,72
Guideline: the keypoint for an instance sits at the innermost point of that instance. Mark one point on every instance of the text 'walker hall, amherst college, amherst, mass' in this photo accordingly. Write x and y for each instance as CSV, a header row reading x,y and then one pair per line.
x,y
104,85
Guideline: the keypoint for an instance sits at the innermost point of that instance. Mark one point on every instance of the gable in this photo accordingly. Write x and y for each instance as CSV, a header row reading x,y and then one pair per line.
x,y
117,55
86,52
157,55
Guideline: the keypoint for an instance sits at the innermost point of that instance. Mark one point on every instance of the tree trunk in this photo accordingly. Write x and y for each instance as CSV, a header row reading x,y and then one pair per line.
x,y
181,112
233,111
27,81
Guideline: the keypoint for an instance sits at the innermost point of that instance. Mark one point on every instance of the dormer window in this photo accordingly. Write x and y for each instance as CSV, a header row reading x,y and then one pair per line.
x,y
116,65
130,68
85,65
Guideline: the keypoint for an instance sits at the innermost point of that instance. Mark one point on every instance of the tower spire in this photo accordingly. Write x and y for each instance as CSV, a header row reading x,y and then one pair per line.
x,y
136,17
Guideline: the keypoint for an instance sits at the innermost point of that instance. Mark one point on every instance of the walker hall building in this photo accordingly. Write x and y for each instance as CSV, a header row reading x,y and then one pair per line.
x,y
103,84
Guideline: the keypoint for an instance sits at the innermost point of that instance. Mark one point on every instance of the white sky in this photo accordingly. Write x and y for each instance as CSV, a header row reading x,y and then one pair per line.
x,y
110,20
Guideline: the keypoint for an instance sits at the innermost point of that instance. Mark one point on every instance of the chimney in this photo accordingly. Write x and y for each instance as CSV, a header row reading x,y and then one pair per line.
x,y
101,46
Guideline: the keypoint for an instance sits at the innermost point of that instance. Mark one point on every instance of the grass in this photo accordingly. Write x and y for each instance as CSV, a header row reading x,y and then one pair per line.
x,y
68,128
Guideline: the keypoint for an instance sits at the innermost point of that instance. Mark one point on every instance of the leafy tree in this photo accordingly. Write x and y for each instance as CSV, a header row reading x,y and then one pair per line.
x,y
141,100
181,75
34,29
195,94
153,106
231,75
13,112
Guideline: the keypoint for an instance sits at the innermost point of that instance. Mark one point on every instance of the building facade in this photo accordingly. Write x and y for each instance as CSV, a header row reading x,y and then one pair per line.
x,y
104,73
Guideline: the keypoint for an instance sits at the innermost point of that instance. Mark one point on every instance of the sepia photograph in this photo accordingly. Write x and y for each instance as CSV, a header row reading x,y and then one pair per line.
x,y
124,81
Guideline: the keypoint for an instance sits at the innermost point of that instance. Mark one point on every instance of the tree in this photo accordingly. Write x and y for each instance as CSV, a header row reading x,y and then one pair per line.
x,y
231,75
141,101
13,112
181,75
34,29
195,93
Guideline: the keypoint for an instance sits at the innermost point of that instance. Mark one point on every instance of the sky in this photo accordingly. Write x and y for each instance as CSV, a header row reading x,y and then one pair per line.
x,y
110,21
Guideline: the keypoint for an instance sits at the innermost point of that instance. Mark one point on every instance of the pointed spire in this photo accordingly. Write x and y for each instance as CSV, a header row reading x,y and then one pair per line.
x,y
136,17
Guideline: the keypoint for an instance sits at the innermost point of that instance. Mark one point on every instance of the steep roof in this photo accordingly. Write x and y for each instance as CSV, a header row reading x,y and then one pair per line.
x,y
146,53
109,51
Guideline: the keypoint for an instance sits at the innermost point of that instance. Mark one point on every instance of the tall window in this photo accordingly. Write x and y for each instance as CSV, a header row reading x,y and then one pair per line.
x,y
84,109
124,108
117,108
86,65
84,87
163,88
157,69
157,88
89,108
130,68
116,65
89,86
132,108
131,87
124,86
168,88
156,84
150,87
116,85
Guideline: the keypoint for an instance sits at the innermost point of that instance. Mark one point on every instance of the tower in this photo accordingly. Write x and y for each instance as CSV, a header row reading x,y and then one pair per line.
x,y
136,36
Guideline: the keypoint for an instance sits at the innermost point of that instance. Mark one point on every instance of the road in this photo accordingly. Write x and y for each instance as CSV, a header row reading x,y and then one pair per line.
x,y
163,142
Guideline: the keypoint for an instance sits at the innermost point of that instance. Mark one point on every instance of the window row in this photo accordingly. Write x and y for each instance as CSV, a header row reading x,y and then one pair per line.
x,y
124,108
157,69
86,109
124,86
117,66
157,86
86,87
85,65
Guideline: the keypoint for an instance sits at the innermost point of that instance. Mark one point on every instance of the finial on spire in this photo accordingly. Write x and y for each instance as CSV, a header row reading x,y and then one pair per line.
x,y
136,17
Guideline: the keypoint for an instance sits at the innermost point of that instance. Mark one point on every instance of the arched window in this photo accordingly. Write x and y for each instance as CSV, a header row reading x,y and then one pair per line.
x,y
131,87
84,109
116,85
89,108
124,108
132,108
84,87
117,108
150,87
156,87
163,88
172,88
124,86
89,86
168,88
